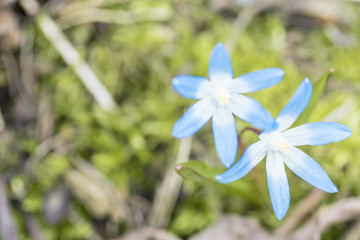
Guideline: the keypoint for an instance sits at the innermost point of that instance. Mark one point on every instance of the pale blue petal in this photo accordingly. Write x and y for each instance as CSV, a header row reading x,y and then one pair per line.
x,y
308,169
192,86
250,111
295,106
317,133
251,157
220,68
225,135
257,80
194,118
277,183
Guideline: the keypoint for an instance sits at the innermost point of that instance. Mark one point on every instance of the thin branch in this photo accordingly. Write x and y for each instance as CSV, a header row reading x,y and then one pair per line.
x,y
327,216
44,148
73,59
113,16
305,207
70,55
74,6
2,122
353,232
7,226
167,194
244,18
26,63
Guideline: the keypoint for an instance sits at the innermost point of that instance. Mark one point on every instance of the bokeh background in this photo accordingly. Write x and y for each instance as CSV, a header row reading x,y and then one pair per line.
x,y
87,108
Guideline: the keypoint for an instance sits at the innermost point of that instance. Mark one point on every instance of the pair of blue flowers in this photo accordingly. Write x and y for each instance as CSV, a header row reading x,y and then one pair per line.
x,y
221,99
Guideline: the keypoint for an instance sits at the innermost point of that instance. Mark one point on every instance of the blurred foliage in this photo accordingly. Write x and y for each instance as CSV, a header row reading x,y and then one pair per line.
x,y
131,145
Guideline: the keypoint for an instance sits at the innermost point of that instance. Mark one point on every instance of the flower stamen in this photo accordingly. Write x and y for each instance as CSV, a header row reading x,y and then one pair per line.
x,y
283,146
223,98
275,141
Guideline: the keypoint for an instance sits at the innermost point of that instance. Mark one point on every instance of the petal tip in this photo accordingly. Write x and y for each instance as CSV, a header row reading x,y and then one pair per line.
x,y
220,179
220,47
307,81
175,80
330,188
219,44
280,72
308,85
177,132
334,189
280,213
226,162
347,130
281,216
227,158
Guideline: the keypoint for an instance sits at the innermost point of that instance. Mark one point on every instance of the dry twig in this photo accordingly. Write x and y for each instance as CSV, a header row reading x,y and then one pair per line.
x,y
327,216
301,211
243,20
113,16
167,194
70,55
7,226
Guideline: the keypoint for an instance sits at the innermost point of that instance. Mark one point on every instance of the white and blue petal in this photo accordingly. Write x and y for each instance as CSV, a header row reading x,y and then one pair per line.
x,y
192,86
251,157
295,106
225,135
220,68
254,81
250,111
317,133
308,169
277,183
194,118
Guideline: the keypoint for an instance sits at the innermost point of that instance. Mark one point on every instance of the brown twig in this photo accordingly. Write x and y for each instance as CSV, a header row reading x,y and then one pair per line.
x,y
243,20
305,207
230,227
7,226
167,193
26,63
113,16
327,216
69,54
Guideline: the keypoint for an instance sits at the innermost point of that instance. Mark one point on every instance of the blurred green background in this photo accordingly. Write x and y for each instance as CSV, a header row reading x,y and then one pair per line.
x,y
72,170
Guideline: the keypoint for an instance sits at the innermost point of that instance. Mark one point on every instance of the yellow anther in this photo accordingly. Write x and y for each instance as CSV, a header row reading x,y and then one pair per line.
x,y
283,146
223,98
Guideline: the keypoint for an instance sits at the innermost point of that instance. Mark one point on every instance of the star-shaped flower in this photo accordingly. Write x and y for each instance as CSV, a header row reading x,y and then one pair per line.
x,y
220,98
278,144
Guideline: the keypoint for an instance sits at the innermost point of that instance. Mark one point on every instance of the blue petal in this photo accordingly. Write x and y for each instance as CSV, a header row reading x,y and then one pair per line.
x,y
295,106
225,135
194,118
277,183
192,86
250,111
251,157
220,68
308,169
257,80
317,133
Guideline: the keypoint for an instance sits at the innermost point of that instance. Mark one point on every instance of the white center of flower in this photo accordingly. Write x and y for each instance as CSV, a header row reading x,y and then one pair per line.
x,y
223,97
275,141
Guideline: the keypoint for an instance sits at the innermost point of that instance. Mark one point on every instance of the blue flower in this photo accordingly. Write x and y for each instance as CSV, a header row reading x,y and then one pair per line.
x,y
220,98
278,144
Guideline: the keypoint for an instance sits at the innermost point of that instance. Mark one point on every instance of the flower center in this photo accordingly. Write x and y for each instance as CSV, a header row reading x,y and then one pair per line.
x,y
223,97
275,141
283,146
